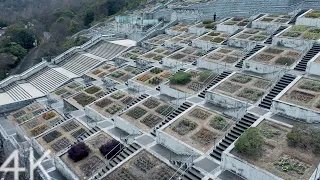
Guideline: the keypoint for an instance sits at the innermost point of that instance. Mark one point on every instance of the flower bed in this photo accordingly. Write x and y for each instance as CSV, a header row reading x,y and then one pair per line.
x,y
240,78
84,99
38,130
256,35
60,144
184,127
76,134
310,85
164,110
262,84
92,89
237,22
117,74
289,164
219,123
302,32
118,95
69,126
51,136
48,115
151,120
204,136
151,103
229,87
114,109
136,113
251,94
301,96
200,114
104,102
144,77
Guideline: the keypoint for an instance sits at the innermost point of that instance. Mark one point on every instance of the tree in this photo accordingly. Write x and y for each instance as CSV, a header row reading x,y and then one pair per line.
x,y
19,34
16,50
78,151
88,18
250,142
180,78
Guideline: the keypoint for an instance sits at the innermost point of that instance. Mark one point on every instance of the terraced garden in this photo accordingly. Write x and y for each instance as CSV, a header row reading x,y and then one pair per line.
x,y
148,113
183,39
86,165
153,77
241,22
157,54
26,113
278,56
158,40
276,18
62,136
243,87
124,74
194,83
302,32
278,158
200,128
305,93
256,35
142,166
102,71
133,54
187,55
113,104
41,123
213,37
224,56
86,96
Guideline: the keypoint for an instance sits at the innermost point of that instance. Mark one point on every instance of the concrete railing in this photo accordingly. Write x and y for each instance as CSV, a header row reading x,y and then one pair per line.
x,y
24,75
83,47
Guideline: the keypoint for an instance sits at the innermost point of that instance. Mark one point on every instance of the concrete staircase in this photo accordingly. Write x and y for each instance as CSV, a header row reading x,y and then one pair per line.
x,y
140,98
47,79
122,155
269,40
243,124
175,113
87,134
16,92
294,19
190,173
302,65
107,50
79,64
281,84
254,50
219,78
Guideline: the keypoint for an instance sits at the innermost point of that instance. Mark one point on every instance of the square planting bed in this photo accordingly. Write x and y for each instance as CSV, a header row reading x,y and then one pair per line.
x,y
87,96
223,56
133,54
102,71
62,136
213,37
26,113
240,22
302,32
181,40
277,56
158,40
113,104
253,35
124,74
41,123
193,81
67,90
305,93
144,165
148,113
187,55
153,77
199,128
278,158
89,165
158,54
243,87
276,19
178,29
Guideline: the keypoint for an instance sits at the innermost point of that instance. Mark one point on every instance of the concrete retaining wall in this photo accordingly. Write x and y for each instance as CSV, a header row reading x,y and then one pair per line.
x,y
126,126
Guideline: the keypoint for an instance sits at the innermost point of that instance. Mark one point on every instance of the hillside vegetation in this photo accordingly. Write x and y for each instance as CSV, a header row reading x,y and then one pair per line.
x,y
47,23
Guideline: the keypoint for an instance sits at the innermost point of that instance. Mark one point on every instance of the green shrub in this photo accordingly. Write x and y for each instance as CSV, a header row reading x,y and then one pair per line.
x,y
310,85
300,136
181,78
292,34
311,35
210,26
207,22
312,15
219,123
251,94
218,40
92,90
250,143
299,28
204,75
